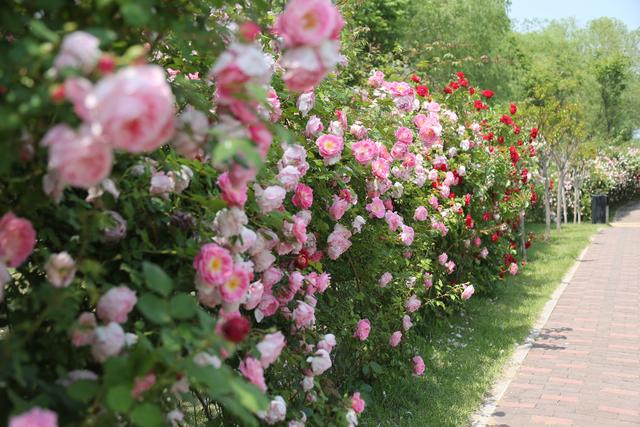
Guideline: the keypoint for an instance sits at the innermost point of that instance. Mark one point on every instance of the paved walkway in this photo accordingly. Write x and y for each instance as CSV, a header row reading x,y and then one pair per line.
x,y
584,367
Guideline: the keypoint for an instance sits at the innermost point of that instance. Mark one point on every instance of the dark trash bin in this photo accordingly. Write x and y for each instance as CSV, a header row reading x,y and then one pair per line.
x,y
599,209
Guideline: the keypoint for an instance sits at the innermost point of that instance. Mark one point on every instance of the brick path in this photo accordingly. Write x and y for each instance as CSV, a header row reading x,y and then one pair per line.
x,y
584,367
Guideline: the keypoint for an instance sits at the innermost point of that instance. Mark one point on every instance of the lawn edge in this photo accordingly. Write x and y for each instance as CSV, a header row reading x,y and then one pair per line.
x,y
484,413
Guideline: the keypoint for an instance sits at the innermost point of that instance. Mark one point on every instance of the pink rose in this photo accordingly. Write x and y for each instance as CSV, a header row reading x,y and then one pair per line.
x,y
213,264
80,159
115,305
270,198
78,50
192,132
513,268
364,151
235,287
76,90
82,331
393,220
270,348
467,292
385,279
108,341
288,177
484,252
407,235
358,131
306,66
421,213
330,147
36,417
271,276
376,207
413,304
395,338
254,295
142,384
357,404
267,307
308,22
399,150
327,343
234,195
404,135
428,280
406,322
303,197
161,185
418,366
357,224
376,79
304,315
60,269
338,208
134,108
442,258
363,328
252,370
314,127
338,241
17,239
380,168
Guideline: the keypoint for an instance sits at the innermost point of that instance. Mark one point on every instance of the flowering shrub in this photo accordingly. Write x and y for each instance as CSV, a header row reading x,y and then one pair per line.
x,y
248,247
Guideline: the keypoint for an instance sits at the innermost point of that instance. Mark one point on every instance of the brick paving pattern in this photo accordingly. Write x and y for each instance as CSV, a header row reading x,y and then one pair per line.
x,y
584,367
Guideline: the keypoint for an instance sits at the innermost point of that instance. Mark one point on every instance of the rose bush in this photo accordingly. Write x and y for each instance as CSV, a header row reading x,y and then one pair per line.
x,y
246,247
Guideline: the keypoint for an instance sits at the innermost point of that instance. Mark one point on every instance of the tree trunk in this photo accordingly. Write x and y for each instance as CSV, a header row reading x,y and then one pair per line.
x,y
564,203
523,238
576,200
547,197
558,202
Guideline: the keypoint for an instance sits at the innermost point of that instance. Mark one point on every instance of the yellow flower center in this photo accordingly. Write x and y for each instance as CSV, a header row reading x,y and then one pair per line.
x,y
309,20
215,265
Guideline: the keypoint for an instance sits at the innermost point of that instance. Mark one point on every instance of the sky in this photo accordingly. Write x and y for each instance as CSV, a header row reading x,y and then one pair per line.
x,y
583,10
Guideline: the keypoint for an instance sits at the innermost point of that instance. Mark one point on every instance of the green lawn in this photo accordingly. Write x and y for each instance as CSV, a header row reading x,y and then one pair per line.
x,y
465,353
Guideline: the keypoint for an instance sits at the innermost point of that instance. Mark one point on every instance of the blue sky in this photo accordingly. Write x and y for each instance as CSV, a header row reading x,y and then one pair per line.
x,y
583,10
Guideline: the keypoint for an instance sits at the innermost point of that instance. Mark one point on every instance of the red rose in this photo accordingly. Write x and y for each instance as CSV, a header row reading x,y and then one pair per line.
x,y
448,90
513,108
422,90
463,82
487,93
236,329
454,85
415,78
468,221
472,91
460,75
534,133
507,120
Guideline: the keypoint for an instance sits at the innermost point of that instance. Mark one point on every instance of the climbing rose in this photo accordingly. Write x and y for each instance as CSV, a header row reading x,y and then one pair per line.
x,y
330,147
308,22
376,79
142,384
60,269
303,197
213,264
314,127
420,214
363,328
376,207
327,343
404,135
252,370
407,235
364,151
320,362
305,102
235,287
385,279
412,304
468,291
304,315
487,93
115,305
406,322
270,348
513,268
277,411
36,417
80,159
134,108
395,338
338,241
418,366
108,341
357,404
270,198
17,239
78,50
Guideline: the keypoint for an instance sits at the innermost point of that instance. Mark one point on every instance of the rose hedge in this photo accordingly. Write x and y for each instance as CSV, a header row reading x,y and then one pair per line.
x,y
182,240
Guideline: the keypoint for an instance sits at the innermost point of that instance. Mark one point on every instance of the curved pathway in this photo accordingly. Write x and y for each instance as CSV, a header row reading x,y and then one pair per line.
x,y
583,367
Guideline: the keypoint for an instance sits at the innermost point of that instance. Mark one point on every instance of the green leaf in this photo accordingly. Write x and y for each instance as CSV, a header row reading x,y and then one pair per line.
x,y
40,30
154,308
83,390
147,415
119,398
249,396
135,14
157,280
182,306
